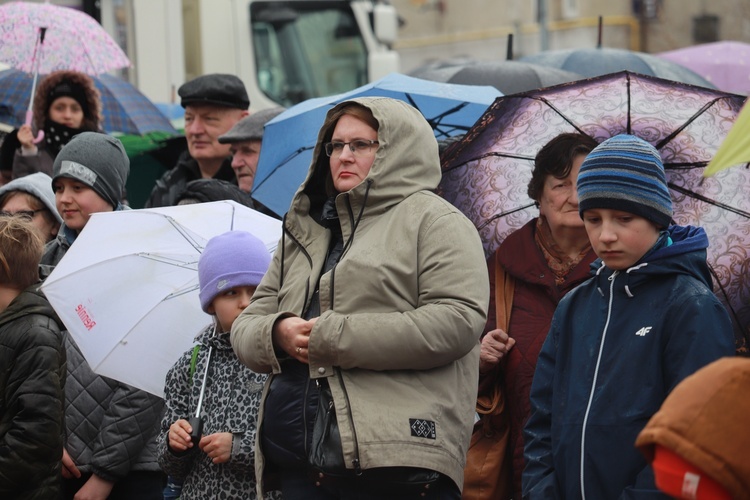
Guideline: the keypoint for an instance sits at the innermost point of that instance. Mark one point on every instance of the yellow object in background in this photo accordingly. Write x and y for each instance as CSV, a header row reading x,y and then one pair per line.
x,y
735,149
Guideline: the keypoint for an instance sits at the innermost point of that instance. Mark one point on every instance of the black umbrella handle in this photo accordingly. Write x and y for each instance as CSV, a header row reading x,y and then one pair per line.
x,y
196,423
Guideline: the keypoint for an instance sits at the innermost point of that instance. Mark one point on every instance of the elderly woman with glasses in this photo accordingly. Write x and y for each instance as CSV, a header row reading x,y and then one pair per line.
x,y
368,319
31,197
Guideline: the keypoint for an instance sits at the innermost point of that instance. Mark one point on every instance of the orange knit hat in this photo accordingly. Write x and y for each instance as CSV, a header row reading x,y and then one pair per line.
x,y
702,425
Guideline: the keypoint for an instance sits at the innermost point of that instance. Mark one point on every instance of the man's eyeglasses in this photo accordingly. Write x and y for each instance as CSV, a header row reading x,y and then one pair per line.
x,y
24,214
359,147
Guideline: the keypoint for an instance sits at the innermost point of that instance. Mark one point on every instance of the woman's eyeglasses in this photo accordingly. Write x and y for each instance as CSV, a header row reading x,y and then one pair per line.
x,y
24,214
359,147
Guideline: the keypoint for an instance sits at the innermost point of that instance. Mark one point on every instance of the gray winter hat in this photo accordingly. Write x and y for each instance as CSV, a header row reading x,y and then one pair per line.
x,y
37,184
97,160
250,128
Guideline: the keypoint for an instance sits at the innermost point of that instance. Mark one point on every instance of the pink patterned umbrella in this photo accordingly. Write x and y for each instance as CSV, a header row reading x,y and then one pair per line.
x,y
73,40
487,173
42,38
725,64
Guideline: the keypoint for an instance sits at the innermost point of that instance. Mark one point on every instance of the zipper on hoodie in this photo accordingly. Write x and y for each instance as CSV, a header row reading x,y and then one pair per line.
x,y
611,280
354,223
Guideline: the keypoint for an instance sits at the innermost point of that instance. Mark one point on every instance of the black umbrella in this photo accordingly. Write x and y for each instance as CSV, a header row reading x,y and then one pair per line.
x,y
589,62
509,77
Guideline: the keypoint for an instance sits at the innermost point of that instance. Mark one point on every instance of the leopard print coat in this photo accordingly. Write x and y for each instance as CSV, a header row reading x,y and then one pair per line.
x,y
230,404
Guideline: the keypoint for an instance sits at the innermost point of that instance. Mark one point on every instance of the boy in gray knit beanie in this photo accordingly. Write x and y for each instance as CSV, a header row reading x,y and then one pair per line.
x,y
97,160
88,176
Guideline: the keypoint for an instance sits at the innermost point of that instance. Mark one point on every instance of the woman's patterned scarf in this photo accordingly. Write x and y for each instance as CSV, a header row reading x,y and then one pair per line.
x,y
557,260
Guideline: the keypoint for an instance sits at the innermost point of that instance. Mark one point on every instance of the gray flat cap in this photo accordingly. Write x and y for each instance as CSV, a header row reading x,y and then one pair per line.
x,y
216,89
250,128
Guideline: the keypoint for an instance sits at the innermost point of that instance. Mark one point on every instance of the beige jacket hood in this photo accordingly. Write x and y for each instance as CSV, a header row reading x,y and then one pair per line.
x,y
402,310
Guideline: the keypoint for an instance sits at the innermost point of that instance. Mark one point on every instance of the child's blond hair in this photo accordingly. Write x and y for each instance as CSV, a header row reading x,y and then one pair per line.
x,y
20,253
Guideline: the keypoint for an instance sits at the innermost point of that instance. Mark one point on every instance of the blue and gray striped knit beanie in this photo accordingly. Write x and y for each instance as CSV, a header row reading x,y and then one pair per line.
x,y
625,173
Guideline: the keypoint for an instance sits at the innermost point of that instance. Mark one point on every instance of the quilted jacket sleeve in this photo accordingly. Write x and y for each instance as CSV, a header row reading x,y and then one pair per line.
x,y
31,438
130,422
177,406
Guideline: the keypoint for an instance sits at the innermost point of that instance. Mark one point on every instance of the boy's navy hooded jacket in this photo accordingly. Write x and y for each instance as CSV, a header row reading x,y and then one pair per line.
x,y
618,344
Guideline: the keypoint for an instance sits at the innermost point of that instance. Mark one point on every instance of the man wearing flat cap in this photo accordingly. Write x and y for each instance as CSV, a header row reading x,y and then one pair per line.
x,y
213,104
245,140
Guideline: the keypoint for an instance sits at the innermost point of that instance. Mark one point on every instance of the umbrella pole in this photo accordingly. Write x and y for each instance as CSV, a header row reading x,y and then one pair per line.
x,y
196,423
30,109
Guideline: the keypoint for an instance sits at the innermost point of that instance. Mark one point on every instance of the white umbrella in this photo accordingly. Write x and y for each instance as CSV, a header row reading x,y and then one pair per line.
x,y
127,290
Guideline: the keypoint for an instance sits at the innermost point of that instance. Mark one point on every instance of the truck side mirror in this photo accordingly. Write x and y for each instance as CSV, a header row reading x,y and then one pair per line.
x,y
385,23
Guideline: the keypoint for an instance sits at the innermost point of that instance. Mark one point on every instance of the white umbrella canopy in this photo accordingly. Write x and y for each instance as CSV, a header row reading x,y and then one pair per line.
x,y
127,290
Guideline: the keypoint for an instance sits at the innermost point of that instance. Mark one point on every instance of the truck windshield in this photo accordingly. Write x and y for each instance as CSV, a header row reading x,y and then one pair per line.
x,y
307,49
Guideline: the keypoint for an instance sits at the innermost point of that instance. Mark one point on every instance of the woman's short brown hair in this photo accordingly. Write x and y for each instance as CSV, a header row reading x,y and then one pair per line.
x,y
20,253
556,159
353,109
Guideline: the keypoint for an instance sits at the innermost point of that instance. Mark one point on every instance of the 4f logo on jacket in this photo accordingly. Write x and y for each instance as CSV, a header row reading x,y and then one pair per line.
x,y
643,331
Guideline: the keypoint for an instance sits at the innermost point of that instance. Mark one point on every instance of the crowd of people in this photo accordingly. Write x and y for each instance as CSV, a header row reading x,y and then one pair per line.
x,y
376,354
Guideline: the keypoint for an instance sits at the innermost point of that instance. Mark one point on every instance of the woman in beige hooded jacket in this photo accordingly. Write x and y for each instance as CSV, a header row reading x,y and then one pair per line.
x,y
389,318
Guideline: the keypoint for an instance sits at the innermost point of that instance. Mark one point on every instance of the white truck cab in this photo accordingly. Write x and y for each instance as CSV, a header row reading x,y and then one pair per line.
x,y
285,51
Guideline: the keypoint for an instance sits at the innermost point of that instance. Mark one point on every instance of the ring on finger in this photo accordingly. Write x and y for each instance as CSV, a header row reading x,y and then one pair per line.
x,y
299,350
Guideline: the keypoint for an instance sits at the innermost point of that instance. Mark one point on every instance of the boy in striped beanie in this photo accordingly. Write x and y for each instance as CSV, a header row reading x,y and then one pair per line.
x,y
623,175
620,342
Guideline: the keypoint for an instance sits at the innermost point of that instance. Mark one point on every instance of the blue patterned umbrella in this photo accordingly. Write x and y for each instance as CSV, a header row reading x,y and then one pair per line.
x,y
124,108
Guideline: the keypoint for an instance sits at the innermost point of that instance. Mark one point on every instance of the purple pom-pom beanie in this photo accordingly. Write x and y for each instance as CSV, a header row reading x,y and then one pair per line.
x,y
232,259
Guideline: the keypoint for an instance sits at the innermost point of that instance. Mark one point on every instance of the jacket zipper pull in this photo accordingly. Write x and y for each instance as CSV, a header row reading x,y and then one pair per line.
x,y
612,276
357,468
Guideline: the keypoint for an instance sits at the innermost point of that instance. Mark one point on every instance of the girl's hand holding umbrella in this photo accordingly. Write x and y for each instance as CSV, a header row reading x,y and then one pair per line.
x,y
27,140
179,435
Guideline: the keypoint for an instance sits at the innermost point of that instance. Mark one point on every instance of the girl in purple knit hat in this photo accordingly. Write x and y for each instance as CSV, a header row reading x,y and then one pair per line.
x,y
221,459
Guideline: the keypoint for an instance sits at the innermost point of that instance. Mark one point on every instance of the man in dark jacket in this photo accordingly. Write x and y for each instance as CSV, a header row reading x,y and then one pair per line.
x,y
32,378
213,104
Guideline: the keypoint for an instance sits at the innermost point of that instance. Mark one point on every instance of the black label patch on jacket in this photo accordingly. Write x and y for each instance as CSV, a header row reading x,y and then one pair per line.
x,y
422,428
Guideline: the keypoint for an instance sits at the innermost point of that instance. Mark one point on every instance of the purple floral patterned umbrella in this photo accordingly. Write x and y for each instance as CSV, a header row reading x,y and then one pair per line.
x,y
487,173
73,40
